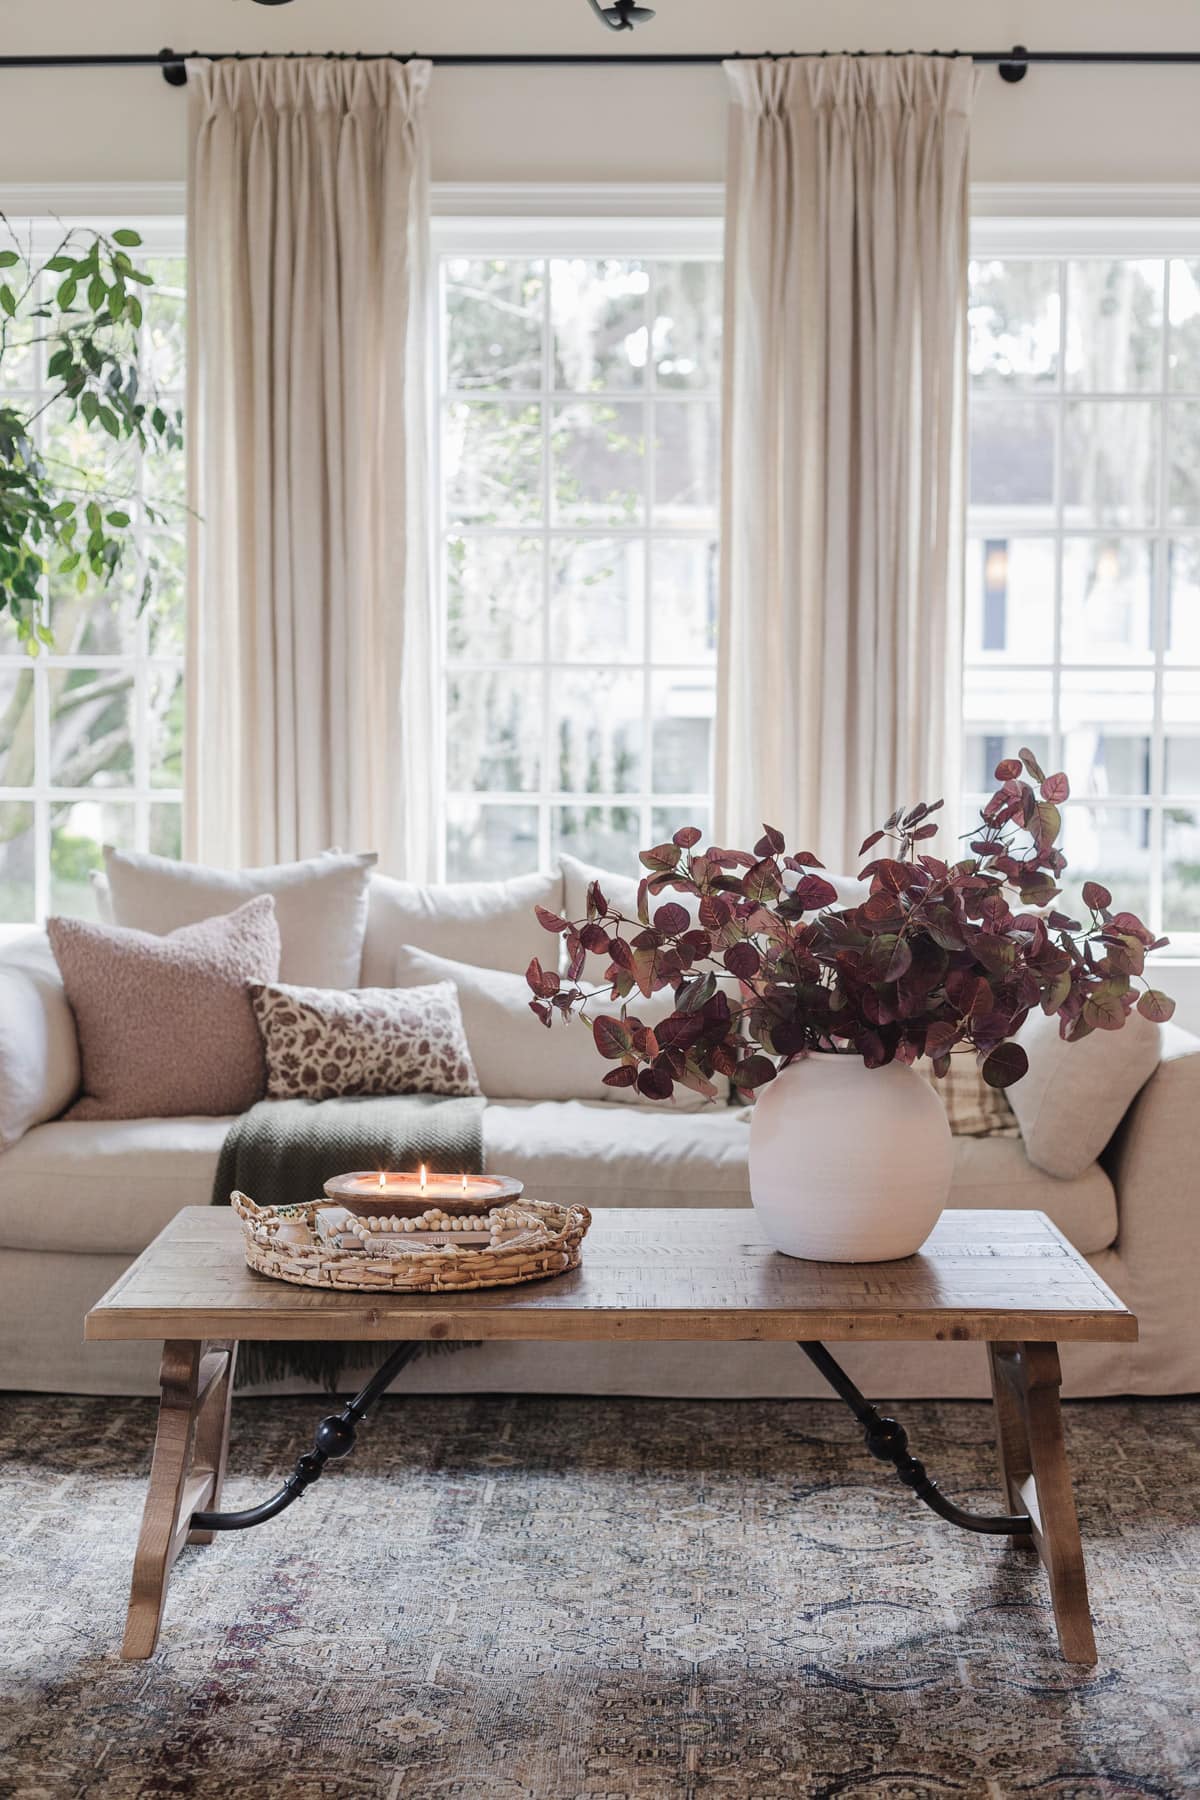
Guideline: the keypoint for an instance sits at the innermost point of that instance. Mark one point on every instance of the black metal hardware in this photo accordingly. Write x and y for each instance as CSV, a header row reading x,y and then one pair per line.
x,y
887,1440
623,15
334,1438
1013,65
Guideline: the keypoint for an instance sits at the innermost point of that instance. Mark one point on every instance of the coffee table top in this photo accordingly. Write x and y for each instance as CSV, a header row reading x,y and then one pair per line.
x,y
646,1274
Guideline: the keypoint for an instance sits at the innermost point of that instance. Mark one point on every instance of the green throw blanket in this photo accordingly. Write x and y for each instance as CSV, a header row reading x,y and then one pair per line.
x,y
283,1151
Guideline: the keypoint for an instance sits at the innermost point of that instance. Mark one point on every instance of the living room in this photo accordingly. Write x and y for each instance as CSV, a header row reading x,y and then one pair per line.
x,y
599,900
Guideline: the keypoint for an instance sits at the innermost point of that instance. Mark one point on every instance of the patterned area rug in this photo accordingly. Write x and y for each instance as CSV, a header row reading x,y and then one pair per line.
x,y
522,1599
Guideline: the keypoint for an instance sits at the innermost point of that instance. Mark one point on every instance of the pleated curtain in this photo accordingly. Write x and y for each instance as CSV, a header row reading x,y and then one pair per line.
x,y
310,657
846,264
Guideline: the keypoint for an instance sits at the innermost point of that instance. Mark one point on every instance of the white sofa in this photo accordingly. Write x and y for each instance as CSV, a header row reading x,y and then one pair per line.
x,y
79,1200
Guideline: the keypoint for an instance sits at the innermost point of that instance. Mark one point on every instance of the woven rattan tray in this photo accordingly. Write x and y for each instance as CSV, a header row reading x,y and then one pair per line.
x,y
284,1242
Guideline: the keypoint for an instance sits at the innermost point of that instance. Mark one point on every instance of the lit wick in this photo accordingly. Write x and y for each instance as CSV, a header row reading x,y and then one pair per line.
x,y
464,1184
382,1179
422,1177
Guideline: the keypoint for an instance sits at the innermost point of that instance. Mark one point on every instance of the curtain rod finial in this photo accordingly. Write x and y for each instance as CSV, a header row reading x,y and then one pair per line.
x,y
173,70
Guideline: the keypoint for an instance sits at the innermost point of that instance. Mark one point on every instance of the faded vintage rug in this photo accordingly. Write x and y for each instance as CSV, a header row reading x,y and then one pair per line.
x,y
523,1599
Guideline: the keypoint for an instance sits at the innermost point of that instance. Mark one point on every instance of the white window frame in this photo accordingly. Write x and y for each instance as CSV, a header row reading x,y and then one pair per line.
x,y
1033,235
692,235
43,226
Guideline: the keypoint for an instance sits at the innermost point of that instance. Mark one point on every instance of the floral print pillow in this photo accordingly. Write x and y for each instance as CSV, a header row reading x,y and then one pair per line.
x,y
324,1042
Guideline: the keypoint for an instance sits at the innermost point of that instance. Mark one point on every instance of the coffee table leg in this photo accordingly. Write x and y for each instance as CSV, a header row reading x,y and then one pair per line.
x,y
195,1390
1033,1460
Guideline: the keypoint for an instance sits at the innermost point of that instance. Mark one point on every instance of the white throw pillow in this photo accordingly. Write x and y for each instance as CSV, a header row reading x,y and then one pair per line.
x,y
488,923
39,1052
515,1056
1074,1096
320,905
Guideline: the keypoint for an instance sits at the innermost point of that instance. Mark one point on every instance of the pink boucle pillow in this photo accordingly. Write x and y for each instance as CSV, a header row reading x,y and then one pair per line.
x,y
165,1023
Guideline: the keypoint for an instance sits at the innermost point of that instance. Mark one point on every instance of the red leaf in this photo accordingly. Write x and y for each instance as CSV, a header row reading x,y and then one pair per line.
x,y
550,921
1006,1064
755,1072
1008,770
1156,1005
594,937
656,1084
1095,896
743,960
813,892
687,837
613,1037
625,1076
662,856
869,843
771,843
1056,788
672,919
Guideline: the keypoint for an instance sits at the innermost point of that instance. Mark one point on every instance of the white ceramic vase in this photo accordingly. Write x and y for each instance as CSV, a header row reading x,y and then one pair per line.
x,y
848,1164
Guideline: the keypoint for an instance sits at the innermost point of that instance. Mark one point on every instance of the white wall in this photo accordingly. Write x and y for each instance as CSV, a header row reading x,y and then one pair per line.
x,y
1078,124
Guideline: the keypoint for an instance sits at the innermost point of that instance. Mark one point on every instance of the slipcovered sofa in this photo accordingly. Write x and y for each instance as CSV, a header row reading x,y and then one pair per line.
x,y
79,1200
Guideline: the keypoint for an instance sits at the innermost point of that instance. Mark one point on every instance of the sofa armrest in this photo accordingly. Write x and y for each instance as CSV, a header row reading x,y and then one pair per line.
x,y
39,1051
1154,1157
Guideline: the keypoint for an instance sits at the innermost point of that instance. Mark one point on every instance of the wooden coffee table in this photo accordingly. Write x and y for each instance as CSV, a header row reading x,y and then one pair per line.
x,y
1006,1279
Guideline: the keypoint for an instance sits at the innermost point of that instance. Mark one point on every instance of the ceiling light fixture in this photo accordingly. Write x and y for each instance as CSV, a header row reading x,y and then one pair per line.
x,y
623,15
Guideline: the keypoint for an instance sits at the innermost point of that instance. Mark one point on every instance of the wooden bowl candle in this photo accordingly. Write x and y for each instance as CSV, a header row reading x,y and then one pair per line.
x,y
376,1194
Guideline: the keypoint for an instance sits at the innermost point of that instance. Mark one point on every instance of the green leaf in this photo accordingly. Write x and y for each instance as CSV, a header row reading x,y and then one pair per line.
x,y
66,293
119,519
8,259
58,264
126,236
8,299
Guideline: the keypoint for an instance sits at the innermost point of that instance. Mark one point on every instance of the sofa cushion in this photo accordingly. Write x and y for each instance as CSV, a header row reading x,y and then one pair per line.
x,y
516,1057
320,905
1074,1096
321,1043
39,1053
165,1023
112,1187
488,923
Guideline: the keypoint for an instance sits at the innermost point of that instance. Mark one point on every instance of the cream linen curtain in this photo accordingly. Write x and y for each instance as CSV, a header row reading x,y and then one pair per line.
x,y
839,686
310,679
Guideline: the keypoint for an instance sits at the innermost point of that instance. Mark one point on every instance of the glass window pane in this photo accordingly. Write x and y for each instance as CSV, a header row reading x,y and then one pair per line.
x,y
1183,349
96,623
683,705
1004,709
166,609
78,830
91,727
166,829
17,861
16,726
1181,870
1010,598
609,837
1013,313
487,842
683,610
492,462
1111,845
83,458
494,598
1183,454
1108,593
597,599
665,821
1012,460
687,463
165,309
164,727
1110,462
598,320
1107,721
164,483
1114,324
494,731
688,305
494,317
597,722
599,456
1181,724
1183,600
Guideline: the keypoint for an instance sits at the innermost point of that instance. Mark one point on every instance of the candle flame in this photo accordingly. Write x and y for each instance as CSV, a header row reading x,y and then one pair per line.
x,y
422,1177
382,1179
464,1184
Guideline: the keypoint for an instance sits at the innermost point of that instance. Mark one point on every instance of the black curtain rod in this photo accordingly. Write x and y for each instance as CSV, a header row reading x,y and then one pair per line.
x,y
1013,64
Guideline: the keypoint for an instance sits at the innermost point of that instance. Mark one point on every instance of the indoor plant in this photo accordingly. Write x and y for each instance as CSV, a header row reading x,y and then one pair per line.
x,y
775,983
82,302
